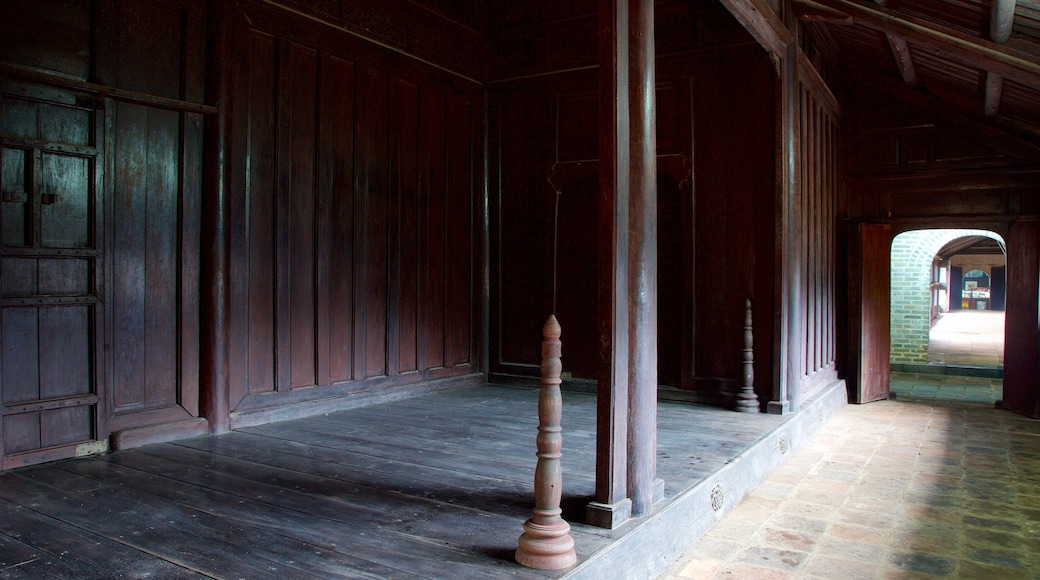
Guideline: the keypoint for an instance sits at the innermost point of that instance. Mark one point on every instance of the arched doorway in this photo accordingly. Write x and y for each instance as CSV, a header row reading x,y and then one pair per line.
x,y
947,298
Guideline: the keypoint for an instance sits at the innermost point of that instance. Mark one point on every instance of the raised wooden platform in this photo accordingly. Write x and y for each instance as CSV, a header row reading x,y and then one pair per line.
x,y
435,486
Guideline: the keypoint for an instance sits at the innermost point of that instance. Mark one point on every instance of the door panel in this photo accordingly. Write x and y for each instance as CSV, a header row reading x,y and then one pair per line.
x,y
49,307
876,267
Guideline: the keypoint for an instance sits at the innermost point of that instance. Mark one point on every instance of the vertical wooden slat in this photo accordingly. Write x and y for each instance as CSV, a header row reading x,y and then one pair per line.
x,y
432,116
336,172
281,200
817,217
189,262
129,202
371,235
459,239
404,263
259,327
803,213
808,150
160,201
301,217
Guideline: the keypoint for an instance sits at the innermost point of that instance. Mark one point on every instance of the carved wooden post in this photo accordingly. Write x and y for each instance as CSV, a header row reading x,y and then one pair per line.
x,y
546,543
747,400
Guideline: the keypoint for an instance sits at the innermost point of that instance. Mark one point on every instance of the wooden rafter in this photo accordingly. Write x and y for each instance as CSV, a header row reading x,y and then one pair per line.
x,y
996,138
901,52
809,11
946,42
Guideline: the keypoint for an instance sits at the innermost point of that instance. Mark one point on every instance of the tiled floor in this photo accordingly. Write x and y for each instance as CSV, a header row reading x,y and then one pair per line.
x,y
936,483
968,338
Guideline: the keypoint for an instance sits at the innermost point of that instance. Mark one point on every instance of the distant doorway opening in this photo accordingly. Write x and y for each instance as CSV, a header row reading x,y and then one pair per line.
x,y
948,295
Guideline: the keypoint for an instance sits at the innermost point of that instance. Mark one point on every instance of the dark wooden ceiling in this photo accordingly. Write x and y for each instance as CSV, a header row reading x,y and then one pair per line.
x,y
944,51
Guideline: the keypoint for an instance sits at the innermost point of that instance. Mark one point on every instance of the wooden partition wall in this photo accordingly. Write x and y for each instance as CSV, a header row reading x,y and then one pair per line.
x,y
349,224
354,208
102,113
818,192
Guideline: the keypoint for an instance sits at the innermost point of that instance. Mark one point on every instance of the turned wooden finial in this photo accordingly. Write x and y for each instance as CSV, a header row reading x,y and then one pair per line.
x,y
546,543
747,400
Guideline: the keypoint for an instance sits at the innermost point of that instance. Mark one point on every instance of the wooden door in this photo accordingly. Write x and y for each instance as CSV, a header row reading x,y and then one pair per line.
x,y
49,274
875,244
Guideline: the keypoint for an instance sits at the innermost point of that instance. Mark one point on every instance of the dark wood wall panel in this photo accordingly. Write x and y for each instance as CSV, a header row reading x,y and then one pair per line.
x,y
153,50
144,249
460,233
818,191
297,277
255,128
433,216
336,267
404,231
52,36
733,132
354,253
373,211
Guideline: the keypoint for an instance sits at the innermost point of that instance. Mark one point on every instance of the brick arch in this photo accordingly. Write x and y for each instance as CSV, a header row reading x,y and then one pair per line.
x,y
912,255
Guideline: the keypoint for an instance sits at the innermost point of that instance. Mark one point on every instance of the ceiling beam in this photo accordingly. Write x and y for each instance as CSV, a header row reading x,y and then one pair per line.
x,y
946,42
1002,19
759,18
809,11
994,89
901,52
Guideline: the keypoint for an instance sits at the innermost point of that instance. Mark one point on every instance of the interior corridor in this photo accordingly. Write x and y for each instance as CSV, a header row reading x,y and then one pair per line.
x,y
935,482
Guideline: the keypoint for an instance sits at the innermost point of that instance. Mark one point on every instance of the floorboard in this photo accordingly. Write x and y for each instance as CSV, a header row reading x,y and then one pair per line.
x,y
436,486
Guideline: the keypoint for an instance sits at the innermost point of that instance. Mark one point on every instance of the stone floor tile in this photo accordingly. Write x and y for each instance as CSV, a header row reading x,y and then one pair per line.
x,y
885,504
945,489
922,563
840,569
744,571
806,509
849,549
866,518
699,569
798,523
778,558
976,571
711,547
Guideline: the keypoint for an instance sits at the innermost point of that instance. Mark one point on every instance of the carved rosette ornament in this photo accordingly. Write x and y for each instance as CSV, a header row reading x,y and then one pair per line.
x,y
747,400
546,543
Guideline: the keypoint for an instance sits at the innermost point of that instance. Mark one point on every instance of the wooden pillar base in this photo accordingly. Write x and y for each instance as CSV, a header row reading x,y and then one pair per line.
x,y
546,547
608,516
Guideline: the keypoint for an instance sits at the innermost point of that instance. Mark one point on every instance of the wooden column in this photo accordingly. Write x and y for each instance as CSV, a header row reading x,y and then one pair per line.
x,y
642,231
1022,315
214,259
790,262
612,506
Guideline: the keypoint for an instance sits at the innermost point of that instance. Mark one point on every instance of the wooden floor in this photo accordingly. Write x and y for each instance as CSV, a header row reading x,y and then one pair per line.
x,y
435,486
